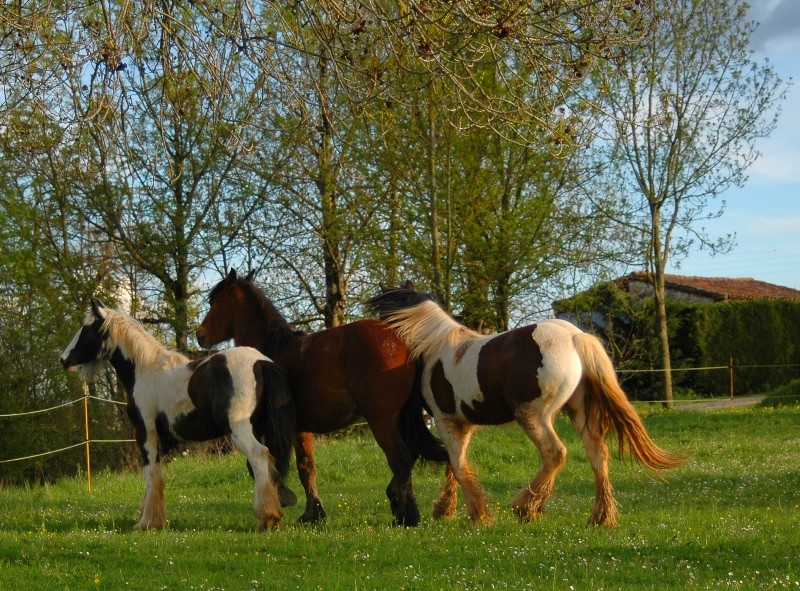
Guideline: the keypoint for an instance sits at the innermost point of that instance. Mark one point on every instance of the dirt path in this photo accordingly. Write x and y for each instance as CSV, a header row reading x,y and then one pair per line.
x,y
719,403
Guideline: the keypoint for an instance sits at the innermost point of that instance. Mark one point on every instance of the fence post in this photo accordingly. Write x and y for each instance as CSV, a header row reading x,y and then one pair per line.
x,y
730,378
86,430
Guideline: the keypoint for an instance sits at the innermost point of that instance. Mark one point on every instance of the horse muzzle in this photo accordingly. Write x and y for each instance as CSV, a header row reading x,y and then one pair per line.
x,y
66,364
202,337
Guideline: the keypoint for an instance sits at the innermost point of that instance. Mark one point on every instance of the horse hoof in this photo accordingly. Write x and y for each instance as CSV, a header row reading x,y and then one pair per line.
x,y
288,498
270,524
311,519
408,521
526,514
603,520
144,526
314,513
446,511
483,518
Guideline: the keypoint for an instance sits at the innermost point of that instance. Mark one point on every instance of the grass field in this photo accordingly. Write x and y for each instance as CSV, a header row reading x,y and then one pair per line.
x,y
728,520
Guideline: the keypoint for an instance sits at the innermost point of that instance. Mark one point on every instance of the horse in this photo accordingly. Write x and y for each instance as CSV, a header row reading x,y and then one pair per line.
x,y
237,392
526,375
336,375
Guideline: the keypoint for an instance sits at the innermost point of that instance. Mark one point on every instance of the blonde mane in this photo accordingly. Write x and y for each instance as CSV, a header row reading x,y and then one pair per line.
x,y
426,329
139,345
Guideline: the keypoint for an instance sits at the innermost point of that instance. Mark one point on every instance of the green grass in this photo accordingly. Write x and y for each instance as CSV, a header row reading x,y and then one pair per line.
x,y
728,520
788,395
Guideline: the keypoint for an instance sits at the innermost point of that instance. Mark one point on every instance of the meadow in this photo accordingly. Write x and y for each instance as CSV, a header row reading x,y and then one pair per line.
x,y
730,519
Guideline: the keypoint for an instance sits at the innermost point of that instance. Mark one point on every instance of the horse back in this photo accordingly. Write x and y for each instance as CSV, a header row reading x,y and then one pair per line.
x,y
344,372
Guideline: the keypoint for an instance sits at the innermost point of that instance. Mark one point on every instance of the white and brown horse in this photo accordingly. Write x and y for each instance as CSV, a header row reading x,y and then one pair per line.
x,y
237,392
525,375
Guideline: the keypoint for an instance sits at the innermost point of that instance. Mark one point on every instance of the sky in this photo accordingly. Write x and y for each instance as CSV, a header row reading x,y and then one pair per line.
x,y
765,213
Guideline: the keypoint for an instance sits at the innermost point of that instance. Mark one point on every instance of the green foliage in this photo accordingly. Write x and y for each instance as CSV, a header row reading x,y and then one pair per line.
x,y
787,395
760,336
752,333
726,520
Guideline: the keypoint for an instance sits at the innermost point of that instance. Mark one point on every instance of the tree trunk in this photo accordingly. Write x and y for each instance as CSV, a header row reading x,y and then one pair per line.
x,y
659,256
436,256
659,292
331,231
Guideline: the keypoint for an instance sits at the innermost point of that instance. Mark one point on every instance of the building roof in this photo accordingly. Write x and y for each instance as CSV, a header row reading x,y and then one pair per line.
x,y
724,288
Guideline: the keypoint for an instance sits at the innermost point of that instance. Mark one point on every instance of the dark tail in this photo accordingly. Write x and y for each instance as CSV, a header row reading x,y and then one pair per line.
x,y
411,424
275,419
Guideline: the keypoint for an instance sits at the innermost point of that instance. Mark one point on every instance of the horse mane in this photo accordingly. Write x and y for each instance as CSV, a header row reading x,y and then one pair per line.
x,y
279,332
131,336
419,321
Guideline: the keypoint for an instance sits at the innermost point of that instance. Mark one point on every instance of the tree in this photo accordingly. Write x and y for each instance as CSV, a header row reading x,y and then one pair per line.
x,y
168,128
688,108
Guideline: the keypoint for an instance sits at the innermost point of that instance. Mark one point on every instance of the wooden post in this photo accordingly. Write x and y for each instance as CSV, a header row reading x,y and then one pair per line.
x,y
86,431
730,376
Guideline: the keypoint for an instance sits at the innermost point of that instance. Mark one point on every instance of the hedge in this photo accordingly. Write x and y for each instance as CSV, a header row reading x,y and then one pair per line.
x,y
761,337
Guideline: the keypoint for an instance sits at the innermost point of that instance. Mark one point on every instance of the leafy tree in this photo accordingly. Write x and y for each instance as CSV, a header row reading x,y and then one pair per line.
x,y
49,261
163,128
689,105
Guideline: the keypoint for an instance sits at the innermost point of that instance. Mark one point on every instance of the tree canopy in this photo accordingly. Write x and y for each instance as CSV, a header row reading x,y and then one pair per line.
x,y
477,148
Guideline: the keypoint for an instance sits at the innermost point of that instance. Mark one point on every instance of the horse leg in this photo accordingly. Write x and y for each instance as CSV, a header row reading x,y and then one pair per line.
x,y
456,437
538,425
605,507
307,471
400,491
266,501
447,503
153,510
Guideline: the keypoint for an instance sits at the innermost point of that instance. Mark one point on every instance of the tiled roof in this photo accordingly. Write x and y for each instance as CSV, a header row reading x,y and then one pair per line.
x,y
726,288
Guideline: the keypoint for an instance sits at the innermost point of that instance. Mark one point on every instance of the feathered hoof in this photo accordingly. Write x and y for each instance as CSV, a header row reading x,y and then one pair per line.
x,y
603,518
526,513
483,517
143,525
270,523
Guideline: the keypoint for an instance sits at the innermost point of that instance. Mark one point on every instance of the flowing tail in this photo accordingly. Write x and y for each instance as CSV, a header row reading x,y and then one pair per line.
x,y
607,407
411,424
277,421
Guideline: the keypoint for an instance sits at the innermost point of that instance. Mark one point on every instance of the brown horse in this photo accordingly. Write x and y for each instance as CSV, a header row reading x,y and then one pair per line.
x,y
525,375
335,375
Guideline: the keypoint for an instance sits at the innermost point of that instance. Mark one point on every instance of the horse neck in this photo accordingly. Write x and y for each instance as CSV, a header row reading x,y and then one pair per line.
x,y
260,325
131,342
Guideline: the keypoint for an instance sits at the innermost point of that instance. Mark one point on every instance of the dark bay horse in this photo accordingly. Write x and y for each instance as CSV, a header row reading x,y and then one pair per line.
x,y
336,375
525,375
237,392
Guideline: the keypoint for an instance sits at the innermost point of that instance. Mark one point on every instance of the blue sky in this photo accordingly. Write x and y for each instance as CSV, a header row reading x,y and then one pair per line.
x,y
765,213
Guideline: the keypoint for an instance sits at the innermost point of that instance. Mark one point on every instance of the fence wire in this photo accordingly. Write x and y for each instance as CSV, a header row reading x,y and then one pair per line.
x,y
88,441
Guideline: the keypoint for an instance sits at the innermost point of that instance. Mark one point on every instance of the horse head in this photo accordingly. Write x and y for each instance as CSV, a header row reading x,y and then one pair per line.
x,y
239,310
86,352
218,324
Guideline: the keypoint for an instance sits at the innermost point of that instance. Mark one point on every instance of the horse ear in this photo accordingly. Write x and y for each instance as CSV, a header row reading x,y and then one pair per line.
x,y
232,275
409,285
250,276
97,307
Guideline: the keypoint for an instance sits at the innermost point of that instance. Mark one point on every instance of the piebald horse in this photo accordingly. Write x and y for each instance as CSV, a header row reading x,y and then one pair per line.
x,y
525,375
237,392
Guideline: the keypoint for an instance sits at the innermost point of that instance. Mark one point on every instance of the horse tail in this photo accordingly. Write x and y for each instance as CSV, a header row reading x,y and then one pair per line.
x,y
277,419
411,424
608,408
